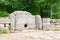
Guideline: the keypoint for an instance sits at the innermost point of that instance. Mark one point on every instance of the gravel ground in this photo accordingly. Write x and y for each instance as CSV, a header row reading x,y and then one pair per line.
x,y
31,35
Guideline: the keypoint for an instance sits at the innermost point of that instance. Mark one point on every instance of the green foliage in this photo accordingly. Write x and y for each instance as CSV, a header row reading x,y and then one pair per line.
x,y
4,14
45,8
56,15
3,31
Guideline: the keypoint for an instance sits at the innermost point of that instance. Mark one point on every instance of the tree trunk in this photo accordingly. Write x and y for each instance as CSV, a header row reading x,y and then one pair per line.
x,y
51,11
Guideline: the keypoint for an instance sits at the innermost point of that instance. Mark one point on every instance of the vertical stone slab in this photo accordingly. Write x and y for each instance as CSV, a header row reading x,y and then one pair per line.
x,y
38,21
12,18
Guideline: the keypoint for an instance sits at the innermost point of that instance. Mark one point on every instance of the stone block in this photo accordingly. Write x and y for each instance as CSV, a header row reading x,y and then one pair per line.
x,y
38,21
46,23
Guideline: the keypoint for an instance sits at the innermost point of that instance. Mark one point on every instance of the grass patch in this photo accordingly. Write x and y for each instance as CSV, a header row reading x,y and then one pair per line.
x,y
4,31
55,29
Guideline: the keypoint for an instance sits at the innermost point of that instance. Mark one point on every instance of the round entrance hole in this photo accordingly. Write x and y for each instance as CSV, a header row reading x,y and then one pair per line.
x,y
25,25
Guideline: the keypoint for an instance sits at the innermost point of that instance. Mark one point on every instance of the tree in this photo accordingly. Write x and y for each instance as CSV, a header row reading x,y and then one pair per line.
x,y
45,8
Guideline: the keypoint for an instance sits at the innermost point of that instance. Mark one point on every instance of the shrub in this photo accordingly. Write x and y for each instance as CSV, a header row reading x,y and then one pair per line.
x,y
4,31
4,14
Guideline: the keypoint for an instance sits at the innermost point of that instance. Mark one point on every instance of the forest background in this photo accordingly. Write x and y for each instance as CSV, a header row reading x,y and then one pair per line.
x,y
44,8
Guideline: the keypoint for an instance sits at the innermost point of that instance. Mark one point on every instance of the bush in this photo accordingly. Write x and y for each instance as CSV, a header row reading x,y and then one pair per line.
x,y
3,31
4,14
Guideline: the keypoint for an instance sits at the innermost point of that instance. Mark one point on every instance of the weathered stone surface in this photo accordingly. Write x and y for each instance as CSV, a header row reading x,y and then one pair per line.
x,y
38,21
51,24
27,20
12,18
46,23
55,24
22,20
4,20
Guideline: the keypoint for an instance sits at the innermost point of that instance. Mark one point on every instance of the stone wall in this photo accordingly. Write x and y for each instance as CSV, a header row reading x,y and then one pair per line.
x,y
5,21
46,23
4,25
21,20
51,24
55,24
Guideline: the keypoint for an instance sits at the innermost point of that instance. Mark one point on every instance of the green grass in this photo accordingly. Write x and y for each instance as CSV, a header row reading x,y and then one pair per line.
x,y
3,31
55,29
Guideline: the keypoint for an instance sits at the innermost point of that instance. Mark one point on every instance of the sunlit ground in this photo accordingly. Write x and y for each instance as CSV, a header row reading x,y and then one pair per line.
x,y
31,35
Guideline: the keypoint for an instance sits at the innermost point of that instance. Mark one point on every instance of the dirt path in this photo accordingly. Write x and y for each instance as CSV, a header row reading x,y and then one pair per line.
x,y
32,35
